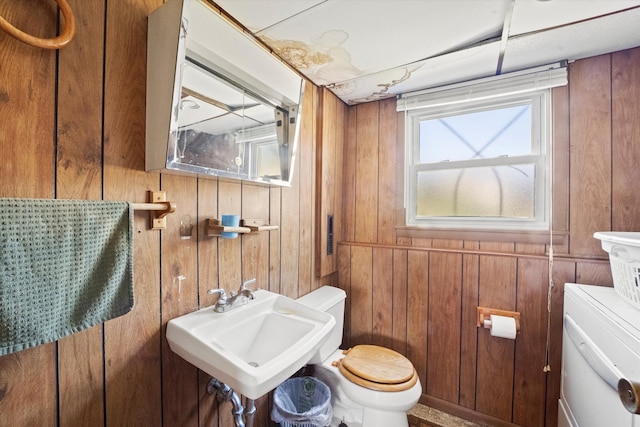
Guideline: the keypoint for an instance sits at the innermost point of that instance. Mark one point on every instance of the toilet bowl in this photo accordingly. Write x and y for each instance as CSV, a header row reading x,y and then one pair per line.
x,y
371,386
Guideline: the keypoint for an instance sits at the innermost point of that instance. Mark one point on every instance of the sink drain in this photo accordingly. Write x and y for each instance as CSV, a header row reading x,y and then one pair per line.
x,y
254,364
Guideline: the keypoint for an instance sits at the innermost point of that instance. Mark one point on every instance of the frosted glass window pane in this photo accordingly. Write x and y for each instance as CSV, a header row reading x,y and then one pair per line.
x,y
480,164
477,135
497,191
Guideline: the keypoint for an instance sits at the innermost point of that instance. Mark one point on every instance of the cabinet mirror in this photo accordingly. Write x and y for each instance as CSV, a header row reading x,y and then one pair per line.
x,y
218,104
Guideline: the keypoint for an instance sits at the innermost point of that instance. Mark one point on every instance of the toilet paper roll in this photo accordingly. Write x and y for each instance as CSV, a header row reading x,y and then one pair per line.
x,y
503,327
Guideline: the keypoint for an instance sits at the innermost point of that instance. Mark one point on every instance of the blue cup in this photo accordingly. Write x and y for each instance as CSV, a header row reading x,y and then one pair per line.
x,y
230,221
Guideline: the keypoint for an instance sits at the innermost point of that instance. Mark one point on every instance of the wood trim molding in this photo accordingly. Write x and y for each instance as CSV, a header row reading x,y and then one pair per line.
x,y
536,237
563,257
462,412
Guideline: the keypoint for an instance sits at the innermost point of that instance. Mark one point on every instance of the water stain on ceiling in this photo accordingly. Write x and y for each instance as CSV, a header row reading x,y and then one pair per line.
x,y
364,50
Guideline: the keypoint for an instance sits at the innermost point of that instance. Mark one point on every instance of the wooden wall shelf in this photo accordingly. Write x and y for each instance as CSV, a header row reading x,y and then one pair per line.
x,y
247,226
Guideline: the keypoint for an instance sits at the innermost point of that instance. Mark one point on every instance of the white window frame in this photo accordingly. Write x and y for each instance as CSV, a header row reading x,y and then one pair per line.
x,y
531,87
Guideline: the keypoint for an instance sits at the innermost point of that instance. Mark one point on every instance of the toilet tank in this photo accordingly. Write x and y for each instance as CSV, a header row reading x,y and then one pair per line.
x,y
330,300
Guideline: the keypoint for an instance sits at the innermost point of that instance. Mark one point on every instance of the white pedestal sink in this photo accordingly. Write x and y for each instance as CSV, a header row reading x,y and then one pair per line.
x,y
251,348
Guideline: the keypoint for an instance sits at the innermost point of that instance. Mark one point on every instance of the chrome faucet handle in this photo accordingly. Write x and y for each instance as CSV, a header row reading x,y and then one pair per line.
x,y
247,283
222,297
244,290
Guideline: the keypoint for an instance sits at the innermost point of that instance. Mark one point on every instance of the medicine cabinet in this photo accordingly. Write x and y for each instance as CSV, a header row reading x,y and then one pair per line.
x,y
218,103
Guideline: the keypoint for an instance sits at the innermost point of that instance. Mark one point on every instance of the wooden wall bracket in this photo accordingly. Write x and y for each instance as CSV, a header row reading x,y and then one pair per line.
x,y
159,207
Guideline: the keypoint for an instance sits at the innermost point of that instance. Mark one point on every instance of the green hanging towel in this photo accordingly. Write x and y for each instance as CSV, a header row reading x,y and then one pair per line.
x,y
65,265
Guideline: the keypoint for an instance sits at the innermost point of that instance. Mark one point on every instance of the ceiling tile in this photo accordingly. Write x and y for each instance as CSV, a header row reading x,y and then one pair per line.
x,y
256,15
472,63
574,41
372,49
341,40
531,16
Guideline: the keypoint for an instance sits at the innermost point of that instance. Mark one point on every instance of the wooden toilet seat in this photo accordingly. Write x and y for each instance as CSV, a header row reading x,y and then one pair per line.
x,y
377,368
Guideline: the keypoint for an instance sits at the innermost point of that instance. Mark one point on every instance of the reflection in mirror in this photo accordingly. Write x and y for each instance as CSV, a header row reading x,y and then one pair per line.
x,y
225,127
226,119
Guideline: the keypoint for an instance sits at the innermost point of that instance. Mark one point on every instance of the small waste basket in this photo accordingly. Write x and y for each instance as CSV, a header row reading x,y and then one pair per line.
x,y
302,402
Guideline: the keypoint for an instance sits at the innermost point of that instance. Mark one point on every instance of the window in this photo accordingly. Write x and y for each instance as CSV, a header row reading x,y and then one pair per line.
x,y
478,155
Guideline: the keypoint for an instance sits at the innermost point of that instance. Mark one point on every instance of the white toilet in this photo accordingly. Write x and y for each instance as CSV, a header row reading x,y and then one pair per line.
x,y
373,368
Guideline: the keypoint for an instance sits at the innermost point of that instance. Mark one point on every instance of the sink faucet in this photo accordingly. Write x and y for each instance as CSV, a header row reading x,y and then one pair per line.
x,y
234,299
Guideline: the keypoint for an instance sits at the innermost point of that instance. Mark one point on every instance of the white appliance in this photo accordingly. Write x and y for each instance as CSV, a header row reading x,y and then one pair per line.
x,y
600,359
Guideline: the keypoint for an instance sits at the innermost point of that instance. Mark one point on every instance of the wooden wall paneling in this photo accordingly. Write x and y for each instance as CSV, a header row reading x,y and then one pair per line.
x,y
594,273
560,150
443,327
132,342
562,272
255,247
230,250
275,255
80,371
342,119
529,377
417,311
403,241
496,247
625,174
349,177
366,177
382,296
331,124
468,328
179,286
207,279
307,175
420,242
497,289
530,248
400,170
327,186
389,202
27,96
290,238
400,301
361,295
20,382
208,268
209,409
445,244
344,283
79,127
590,115
79,176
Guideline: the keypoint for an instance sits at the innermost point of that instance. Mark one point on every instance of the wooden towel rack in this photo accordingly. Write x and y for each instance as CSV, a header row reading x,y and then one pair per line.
x,y
68,31
159,208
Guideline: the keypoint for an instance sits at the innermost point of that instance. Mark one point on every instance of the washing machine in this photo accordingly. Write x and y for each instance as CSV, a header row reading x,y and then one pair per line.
x,y
600,359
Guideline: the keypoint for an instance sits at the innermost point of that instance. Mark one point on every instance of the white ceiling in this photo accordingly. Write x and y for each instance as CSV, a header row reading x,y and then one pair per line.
x,y
365,50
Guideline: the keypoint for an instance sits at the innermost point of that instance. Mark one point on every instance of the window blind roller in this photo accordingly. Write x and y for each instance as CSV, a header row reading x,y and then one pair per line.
x,y
539,78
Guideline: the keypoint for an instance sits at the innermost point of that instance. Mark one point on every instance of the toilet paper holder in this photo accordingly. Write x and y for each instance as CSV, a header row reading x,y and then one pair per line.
x,y
484,317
